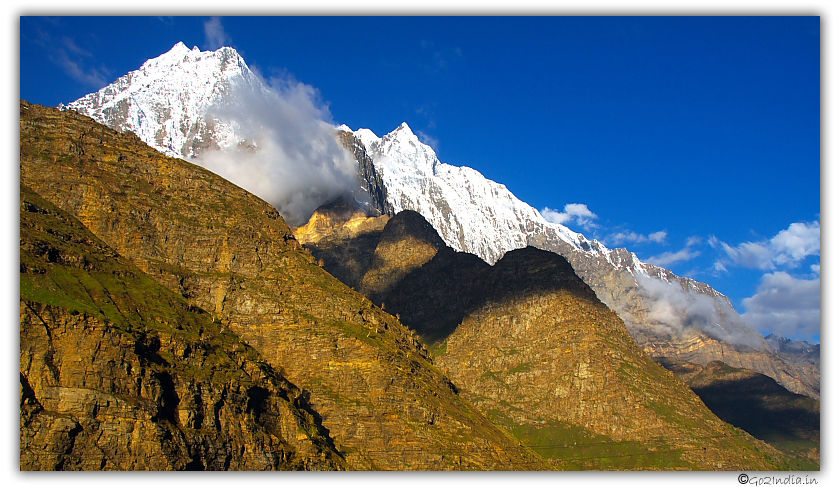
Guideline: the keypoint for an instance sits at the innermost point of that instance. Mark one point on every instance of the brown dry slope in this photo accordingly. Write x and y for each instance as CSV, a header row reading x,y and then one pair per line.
x,y
119,373
531,345
382,400
560,367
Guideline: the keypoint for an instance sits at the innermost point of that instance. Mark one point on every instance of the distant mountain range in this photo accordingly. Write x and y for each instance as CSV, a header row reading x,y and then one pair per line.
x,y
171,103
171,320
423,318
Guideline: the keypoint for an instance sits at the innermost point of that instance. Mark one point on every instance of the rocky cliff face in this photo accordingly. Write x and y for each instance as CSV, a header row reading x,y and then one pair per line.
x,y
696,339
371,181
169,102
384,403
476,215
796,350
119,373
531,345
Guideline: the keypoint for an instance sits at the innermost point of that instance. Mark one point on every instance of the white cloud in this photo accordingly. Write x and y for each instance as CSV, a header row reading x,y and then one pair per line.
x,y
577,212
554,216
691,241
73,59
71,45
675,311
633,237
787,249
786,305
658,237
428,140
298,163
665,259
89,76
214,34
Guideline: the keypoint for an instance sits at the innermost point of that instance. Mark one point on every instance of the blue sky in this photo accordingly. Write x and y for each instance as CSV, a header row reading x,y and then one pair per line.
x,y
692,141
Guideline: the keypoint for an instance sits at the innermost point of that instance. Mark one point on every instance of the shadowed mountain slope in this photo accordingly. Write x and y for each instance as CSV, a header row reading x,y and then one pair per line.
x,y
531,345
384,403
757,404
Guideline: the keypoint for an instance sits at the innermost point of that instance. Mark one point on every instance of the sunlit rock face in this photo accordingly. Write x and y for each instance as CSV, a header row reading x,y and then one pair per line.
x,y
172,103
368,383
119,373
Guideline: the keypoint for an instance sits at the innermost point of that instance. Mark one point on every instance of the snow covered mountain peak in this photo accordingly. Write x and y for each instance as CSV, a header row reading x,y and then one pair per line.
x,y
472,213
178,50
166,101
172,103
402,145
403,132
222,63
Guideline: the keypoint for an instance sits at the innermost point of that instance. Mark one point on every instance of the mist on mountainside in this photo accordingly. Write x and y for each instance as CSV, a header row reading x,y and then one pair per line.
x,y
288,153
675,311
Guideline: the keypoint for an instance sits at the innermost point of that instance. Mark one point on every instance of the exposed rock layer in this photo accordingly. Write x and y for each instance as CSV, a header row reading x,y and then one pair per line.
x,y
386,406
119,373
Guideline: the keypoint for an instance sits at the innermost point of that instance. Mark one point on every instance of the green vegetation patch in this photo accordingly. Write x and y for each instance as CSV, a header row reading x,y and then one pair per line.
x,y
571,447
523,367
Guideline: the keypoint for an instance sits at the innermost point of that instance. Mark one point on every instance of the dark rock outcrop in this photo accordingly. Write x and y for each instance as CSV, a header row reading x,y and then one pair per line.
x,y
371,181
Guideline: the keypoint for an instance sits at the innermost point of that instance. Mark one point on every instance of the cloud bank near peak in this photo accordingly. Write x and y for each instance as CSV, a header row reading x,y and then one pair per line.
x,y
786,305
289,154
686,253
675,312
787,299
215,35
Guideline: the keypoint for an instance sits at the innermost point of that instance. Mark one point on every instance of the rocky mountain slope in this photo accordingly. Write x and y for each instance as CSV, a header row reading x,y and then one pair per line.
x,y
758,405
796,350
531,345
172,103
119,373
476,215
376,390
